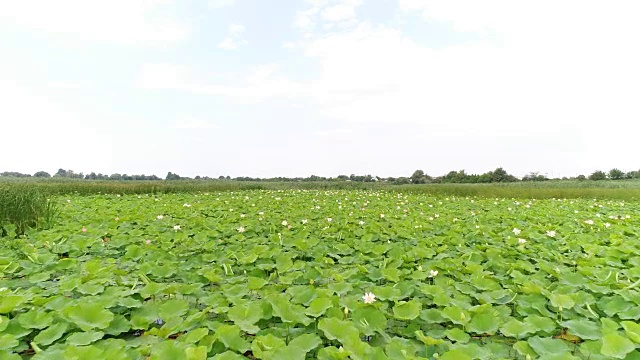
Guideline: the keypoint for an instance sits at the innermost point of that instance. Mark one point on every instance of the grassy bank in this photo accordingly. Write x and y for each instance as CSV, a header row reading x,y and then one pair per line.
x,y
625,190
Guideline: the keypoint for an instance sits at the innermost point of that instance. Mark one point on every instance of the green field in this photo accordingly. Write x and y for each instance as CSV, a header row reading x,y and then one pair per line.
x,y
284,274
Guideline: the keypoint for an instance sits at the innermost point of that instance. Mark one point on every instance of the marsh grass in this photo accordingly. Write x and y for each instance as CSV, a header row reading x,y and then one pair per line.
x,y
623,190
23,206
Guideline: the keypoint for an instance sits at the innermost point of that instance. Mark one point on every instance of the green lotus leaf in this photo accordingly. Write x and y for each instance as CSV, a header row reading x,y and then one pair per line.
x,y
51,334
456,354
332,353
84,338
616,346
89,316
407,310
562,301
547,346
517,329
8,303
318,307
169,350
256,283
229,355
173,308
288,312
229,335
540,323
458,335
369,320
632,330
584,329
8,342
456,315
265,346
246,315
484,323
196,353
35,319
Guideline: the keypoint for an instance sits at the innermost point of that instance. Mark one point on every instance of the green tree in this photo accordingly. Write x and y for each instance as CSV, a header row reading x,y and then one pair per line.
x,y
172,176
616,174
42,174
598,175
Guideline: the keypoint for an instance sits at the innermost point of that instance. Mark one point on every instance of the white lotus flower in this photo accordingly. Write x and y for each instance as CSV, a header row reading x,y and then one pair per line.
x,y
382,216
588,222
176,227
241,229
304,221
160,217
516,231
522,241
369,298
607,225
284,223
551,233
329,219
433,273
186,205
361,222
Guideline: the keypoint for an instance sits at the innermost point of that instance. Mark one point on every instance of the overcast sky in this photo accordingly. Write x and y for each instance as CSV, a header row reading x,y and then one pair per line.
x,y
324,87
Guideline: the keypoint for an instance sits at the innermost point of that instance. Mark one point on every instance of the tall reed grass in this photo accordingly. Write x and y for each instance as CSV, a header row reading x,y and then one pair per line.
x,y
624,190
23,205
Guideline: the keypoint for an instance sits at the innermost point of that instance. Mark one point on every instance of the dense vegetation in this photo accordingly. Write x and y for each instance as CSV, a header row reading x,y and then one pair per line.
x,y
24,206
295,274
498,175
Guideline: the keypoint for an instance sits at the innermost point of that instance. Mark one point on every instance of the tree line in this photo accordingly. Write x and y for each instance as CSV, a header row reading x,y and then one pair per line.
x,y
418,177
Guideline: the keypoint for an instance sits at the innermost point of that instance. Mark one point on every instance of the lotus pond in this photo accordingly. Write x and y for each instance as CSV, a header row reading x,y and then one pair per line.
x,y
323,275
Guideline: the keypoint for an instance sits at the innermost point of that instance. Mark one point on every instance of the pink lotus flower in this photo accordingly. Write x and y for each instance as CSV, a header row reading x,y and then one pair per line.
x,y
84,229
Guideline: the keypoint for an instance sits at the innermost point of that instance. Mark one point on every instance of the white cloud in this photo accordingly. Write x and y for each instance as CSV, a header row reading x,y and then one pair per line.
x,y
193,124
259,83
343,11
328,13
64,85
114,21
48,135
545,86
234,37
218,4
163,76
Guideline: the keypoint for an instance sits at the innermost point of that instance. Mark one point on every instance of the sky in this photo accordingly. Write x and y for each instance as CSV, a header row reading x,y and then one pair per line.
x,y
324,87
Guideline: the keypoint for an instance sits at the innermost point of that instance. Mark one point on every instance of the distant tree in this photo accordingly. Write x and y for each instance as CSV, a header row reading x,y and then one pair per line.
x,y
419,177
633,175
60,173
616,174
598,175
581,177
172,176
456,177
14,174
42,174
534,176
